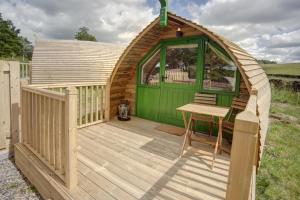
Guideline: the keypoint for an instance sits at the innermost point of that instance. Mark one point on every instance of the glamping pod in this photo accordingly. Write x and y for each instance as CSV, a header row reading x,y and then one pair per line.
x,y
73,147
161,70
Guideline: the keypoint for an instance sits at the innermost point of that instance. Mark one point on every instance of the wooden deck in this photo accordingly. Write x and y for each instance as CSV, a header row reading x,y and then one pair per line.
x,y
133,160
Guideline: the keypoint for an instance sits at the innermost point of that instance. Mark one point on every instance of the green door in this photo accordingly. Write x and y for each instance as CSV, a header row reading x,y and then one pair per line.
x,y
181,67
168,78
173,71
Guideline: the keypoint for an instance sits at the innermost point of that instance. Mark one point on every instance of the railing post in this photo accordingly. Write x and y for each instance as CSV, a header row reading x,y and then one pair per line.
x,y
243,152
107,101
71,137
24,106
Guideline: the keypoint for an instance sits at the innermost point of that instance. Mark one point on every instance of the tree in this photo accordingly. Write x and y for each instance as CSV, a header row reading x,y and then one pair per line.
x,y
263,61
83,34
11,43
27,48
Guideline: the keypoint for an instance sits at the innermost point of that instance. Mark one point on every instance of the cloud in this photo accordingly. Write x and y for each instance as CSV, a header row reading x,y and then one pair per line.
x,y
268,29
115,21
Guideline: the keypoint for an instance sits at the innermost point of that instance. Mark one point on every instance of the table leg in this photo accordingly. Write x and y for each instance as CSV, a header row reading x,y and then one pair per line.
x,y
185,125
219,141
191,132
221,134
186,136
184,119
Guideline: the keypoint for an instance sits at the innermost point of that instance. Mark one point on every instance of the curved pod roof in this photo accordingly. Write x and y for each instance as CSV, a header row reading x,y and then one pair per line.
x,y
56,61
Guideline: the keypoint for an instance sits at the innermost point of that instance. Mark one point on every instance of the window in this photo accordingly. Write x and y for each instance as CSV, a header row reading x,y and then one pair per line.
x,y
219,71
150,70
181,64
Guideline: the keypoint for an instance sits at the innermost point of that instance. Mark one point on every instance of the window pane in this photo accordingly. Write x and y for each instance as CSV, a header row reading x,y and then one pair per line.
x,y
181,64
150,70
219,72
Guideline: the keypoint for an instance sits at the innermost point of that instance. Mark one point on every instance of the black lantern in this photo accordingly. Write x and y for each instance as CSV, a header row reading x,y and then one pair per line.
x,y
123,109
179,33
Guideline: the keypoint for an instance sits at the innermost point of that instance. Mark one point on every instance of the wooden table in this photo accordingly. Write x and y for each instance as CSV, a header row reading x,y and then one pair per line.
x,y
202,109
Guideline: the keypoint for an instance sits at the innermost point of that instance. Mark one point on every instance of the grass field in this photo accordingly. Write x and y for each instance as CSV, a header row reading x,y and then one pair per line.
x,y
291,69
279,174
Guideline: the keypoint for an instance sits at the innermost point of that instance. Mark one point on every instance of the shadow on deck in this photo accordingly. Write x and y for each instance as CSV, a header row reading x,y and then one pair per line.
x,y
133,160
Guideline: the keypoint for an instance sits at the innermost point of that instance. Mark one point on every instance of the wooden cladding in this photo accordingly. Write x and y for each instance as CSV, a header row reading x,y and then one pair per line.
x,y
49,129
57,61
91,101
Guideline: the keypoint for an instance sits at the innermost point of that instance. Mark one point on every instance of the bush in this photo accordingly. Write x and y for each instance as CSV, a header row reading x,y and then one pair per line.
x,y
285,95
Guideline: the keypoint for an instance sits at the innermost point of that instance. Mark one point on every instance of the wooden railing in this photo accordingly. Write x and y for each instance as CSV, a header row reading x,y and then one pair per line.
x,y
91,101
252,193
49,129
25,70
241,180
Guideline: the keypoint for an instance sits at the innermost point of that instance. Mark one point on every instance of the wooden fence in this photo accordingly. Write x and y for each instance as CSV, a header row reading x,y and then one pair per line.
x,y
244,151
25,70
9,105
91,101
49,129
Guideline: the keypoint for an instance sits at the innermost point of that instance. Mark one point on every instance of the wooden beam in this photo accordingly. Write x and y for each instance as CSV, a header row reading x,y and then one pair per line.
x,y
107,101
71,137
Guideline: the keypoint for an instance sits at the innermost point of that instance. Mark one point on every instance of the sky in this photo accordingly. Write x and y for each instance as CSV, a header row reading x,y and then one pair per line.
x,y
267,29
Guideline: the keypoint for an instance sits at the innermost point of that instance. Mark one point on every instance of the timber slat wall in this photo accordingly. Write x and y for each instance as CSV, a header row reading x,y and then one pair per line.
x,y
123,80
56,61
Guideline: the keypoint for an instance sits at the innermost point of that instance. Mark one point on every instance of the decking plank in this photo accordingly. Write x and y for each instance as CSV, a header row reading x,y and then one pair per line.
x,y
92,189
79,194
150,159
155,182
102,140
118,181
143,183
104,183
132,160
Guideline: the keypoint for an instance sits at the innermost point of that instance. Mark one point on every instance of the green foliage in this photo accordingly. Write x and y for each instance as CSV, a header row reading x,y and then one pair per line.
x,y
279,173
12,44
27,48
285,95
83,34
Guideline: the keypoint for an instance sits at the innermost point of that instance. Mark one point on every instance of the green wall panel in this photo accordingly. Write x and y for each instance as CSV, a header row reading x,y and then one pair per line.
x,y
172,97
224,100
148,102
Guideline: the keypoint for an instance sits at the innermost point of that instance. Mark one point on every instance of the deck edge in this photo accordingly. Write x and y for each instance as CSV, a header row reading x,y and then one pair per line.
x,y
49,186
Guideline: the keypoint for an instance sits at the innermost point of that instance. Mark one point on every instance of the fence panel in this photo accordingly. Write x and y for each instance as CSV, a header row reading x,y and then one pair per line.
x,y
9,105
49,129
91,101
